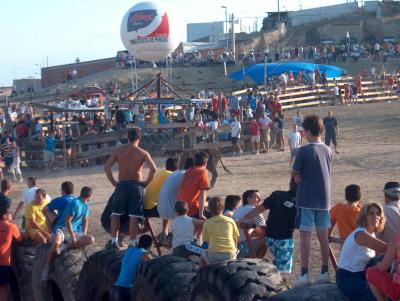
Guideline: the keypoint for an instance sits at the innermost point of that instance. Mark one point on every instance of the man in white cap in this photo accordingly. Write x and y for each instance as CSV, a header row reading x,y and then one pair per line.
x,y
392,212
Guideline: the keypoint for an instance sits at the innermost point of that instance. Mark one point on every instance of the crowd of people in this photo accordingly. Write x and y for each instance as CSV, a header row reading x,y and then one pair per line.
x,y
210,229
61,221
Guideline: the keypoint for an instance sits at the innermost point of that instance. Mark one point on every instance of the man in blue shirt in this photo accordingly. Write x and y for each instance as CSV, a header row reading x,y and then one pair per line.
x,y
71,228
133,256
48,152
57,206
312,172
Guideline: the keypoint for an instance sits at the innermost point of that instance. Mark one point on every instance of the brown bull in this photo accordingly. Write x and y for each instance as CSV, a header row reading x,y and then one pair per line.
x,y
213,160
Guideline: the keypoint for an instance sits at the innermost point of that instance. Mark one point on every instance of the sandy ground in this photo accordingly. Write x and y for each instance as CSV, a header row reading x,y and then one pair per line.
x,y
369,156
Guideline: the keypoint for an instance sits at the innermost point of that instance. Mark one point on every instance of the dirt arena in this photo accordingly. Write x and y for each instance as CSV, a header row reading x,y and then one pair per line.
x,y
369,148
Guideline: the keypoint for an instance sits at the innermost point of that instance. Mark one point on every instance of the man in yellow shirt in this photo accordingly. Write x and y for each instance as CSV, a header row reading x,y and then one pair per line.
x,y
221,233
152,192
36,227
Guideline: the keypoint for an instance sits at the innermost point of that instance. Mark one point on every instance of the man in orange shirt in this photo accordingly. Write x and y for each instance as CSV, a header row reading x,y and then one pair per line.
x,y
193,187
8,233
345,215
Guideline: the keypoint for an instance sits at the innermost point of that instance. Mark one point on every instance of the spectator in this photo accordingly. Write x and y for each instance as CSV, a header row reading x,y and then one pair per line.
x,y
312,173
131,260
152,192
358,249
8,233
331,130
255,135
280,225
27,196
183,230
251,199
221,233
232,202
70,227
236,129
194,185
265,124
15,169
36,227
382,283
392,212
48,152
294,139
345,215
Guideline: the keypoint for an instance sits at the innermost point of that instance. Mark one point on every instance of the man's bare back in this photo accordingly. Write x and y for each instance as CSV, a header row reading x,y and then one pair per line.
x,y
130,159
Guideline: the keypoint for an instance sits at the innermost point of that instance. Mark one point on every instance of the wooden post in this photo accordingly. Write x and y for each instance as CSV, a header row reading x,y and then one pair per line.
x,y
65,145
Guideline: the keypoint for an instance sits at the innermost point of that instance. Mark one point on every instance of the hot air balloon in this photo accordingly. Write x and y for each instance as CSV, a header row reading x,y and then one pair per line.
x,y
146,32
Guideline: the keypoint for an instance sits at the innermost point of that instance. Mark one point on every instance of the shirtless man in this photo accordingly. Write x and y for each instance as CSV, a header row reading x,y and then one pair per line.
x,y
128,194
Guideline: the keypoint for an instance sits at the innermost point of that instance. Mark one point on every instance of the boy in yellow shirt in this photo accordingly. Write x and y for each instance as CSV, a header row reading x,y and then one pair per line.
x,y
36,227
221,233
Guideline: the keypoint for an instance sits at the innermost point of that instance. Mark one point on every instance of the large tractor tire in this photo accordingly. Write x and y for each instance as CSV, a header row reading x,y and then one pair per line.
x,y
239,280
22,261
315,292
165,278
63,274
98,276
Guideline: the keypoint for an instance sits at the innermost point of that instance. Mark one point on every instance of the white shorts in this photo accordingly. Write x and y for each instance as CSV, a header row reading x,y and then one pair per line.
x,y
65,237
255,139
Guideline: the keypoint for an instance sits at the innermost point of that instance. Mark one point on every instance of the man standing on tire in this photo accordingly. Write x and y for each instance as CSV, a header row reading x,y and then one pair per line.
x,y
129,188
331,130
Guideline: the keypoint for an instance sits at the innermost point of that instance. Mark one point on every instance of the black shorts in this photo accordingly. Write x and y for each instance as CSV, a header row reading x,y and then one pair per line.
x,y
120,293
153,212
128,197
234,140
329,138
181,251
5,274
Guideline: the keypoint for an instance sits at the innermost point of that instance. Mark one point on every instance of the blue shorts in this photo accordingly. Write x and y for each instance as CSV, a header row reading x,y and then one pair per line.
x,y
310,218
282,250
243,248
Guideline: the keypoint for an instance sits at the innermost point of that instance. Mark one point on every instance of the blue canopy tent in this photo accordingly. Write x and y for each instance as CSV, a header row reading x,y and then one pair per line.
x,y
256,72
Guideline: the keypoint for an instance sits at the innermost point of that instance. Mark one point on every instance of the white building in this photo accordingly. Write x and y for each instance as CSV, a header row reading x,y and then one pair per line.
x,y
218,31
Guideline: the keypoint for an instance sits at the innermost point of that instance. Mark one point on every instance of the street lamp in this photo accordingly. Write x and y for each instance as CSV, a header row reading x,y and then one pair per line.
x,y
226,26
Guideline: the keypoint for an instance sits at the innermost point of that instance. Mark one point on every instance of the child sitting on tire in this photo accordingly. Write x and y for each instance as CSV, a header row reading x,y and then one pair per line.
x,y
183,228
133,256
221,233
251,199
36,226
68,228
8,233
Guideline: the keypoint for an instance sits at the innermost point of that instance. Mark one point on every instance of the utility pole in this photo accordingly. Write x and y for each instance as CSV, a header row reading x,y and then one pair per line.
x,y
279,14
233,37
226,26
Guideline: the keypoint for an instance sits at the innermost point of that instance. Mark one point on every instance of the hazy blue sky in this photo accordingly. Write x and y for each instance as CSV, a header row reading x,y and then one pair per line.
x,y
89,29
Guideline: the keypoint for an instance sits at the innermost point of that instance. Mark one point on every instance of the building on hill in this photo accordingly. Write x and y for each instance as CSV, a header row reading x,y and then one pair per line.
x,y
27,85
57,74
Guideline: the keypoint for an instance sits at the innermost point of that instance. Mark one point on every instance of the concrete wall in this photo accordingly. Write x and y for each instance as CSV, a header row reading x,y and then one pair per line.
x,y
26,83
58,74
320,13
339,31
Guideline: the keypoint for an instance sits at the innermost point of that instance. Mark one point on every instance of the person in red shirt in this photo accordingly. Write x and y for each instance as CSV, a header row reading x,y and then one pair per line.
x,y
255,133
215,104
276,106
8,233
194,185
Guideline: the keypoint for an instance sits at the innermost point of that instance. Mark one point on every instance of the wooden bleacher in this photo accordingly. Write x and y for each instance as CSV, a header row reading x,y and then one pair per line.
x,y
302,96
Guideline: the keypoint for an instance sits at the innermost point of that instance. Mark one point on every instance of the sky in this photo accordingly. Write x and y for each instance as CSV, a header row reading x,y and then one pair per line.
x,y
61,31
